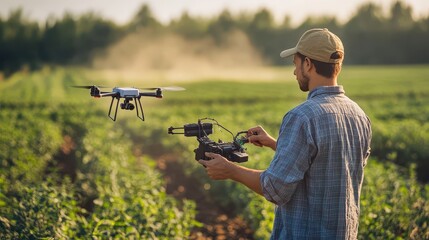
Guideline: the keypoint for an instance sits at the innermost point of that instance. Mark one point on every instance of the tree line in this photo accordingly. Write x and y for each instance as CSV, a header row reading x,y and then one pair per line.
x,y
370,36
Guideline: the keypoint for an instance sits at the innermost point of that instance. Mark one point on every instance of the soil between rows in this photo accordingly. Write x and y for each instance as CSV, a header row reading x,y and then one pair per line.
x,y
217,222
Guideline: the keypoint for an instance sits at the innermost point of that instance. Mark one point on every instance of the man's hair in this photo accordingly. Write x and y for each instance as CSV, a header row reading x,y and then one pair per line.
x,y
325,69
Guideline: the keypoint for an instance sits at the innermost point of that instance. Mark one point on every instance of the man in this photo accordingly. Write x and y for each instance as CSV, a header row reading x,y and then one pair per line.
x,y
316,175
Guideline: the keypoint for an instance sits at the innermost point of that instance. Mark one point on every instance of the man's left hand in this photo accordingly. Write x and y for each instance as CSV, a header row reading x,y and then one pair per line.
x,y
218,168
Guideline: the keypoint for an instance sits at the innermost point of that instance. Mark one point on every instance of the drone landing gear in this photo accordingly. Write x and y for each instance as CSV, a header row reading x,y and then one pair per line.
x,y
127,105
141,115
110,109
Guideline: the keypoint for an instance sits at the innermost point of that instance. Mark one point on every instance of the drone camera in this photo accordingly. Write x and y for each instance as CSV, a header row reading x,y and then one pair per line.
x,y
127,106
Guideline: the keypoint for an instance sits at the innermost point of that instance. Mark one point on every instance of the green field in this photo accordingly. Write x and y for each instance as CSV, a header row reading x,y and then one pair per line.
x,y
68,170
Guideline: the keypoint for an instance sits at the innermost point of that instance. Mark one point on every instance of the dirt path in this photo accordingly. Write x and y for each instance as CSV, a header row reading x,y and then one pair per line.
x,y
217,223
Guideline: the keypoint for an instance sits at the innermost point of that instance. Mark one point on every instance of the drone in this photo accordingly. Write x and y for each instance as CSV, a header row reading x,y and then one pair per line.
x,y
129,94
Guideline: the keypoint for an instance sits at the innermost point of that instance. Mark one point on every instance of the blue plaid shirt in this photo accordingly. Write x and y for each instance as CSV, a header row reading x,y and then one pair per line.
x,y
316,175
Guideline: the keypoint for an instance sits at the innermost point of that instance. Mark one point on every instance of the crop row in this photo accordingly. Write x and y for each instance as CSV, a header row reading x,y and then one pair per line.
x,y
66,174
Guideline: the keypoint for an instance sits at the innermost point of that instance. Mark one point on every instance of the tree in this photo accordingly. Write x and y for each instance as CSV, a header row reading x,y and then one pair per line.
x,y
143,19
94,34
59,41
263,20
189,27
368,17
287,22
223,24
401,16
18,43
364,34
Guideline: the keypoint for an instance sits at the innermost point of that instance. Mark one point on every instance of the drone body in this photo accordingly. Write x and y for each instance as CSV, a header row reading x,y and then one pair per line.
x,y
129,94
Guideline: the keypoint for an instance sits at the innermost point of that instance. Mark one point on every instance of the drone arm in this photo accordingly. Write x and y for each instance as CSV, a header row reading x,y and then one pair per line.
x,y
157,94
108,94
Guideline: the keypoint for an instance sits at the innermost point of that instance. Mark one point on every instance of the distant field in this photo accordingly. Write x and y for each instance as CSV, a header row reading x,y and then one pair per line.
x,y
53,83
395,97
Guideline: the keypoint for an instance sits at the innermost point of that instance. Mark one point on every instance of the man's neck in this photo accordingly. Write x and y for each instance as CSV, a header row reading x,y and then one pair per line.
x,y
318,81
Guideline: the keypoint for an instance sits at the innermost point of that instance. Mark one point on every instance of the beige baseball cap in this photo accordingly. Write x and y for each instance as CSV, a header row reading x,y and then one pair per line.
x,y
319,44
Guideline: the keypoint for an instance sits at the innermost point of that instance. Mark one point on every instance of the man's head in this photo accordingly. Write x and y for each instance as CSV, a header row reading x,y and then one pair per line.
x,y
318,44
320,50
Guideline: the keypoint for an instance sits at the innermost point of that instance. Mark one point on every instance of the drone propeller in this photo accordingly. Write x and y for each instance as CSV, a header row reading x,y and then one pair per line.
x,y
88,86
173,88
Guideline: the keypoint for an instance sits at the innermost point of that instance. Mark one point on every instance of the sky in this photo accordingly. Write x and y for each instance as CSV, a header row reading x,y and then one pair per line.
x,y
121,11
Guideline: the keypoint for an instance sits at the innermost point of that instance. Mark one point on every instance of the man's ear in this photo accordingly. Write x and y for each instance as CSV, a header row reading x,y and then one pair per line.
x,y
308,64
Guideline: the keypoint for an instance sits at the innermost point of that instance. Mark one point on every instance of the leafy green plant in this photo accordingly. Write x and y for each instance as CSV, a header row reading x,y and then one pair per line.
x,y
393,204
45,210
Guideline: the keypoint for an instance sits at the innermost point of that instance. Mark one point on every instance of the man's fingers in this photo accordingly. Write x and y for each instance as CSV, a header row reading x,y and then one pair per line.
x,y
252,132
203,162
211,155
254,140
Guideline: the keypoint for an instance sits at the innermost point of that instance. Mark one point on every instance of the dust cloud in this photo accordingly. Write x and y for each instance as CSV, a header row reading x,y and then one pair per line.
x,y
172,58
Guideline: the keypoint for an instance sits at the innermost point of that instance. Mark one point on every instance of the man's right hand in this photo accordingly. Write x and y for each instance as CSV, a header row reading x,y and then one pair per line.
x,y
259,137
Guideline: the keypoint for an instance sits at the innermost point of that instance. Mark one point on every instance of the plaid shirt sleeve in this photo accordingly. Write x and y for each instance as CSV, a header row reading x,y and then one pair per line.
x,y
291,160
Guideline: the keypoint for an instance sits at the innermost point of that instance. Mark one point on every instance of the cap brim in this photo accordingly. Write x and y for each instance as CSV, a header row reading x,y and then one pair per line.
x,y
288,52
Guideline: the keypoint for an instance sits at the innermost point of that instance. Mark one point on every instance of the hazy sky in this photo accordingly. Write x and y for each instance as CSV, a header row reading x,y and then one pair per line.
x,y
122,11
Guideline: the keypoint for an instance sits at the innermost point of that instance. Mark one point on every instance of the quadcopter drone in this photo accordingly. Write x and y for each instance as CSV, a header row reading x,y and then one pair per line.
x,y
128,94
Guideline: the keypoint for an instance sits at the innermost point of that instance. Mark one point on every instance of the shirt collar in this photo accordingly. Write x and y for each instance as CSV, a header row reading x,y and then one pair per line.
x,y
331,90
